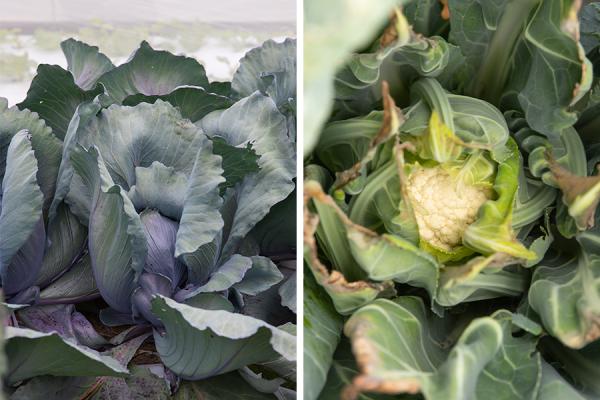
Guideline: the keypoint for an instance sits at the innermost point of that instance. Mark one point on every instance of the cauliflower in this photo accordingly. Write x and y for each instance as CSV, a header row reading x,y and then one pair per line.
x,y
443,207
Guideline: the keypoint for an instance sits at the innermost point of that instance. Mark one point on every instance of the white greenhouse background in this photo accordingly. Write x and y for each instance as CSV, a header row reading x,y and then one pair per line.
x,y
217,33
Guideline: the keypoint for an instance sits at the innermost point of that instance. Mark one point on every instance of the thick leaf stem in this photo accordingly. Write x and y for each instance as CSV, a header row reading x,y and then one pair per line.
x,y
493,72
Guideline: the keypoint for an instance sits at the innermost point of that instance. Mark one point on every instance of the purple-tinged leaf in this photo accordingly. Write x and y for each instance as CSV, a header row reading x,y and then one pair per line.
x,y
150,286
26,297
117,243
161,233
152,72
65,320
25,266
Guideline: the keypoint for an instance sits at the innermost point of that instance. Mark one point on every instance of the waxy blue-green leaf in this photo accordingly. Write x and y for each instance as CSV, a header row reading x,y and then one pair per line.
x,y
159,187
270,69
32,353
46,146
263,275
152,72
140,381
86,63
20,214
227,275
256,120
66,239
200,220
199,344
288,292
84,113
130,137
117,243
77,284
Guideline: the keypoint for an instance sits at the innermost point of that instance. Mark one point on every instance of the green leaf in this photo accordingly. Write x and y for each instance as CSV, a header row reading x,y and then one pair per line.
x,y
193,102
237,161
516,50
426,17
152,72
379,256
333,29
55,96
256,120
399,350
20,213
555,387
200,343
480,278
85,62
276,233
343,370
580,367
492,231
32,353
346,296
117,242
332,234
565,292
322,330
346,142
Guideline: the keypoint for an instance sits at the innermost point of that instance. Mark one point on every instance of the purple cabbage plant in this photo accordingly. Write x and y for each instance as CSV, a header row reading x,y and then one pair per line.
x,y
147,228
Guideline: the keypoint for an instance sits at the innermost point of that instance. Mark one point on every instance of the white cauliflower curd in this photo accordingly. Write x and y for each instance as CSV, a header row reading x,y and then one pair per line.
x,y
443,208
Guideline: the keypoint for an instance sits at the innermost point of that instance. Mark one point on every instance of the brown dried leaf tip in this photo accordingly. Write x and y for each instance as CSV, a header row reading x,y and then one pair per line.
x,y
580,193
